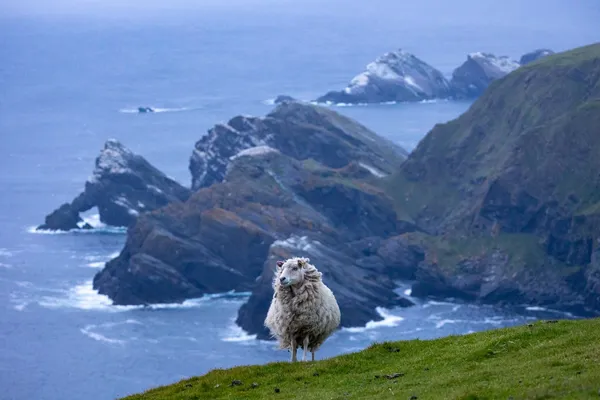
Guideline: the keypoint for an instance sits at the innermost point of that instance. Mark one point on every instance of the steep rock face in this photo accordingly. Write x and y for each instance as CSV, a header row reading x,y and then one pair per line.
x,y
122,186
358,290
518,169
472,78
534,56
299,130
220,239
394,76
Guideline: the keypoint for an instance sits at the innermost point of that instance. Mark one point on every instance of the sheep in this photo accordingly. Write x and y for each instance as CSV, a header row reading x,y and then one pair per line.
x,y
303,311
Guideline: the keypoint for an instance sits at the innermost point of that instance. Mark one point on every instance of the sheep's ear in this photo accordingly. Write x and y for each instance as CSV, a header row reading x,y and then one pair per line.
x,y
279,264
300,263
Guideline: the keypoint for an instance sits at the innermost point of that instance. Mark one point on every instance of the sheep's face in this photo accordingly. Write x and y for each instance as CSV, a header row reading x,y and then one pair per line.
x,y
291,272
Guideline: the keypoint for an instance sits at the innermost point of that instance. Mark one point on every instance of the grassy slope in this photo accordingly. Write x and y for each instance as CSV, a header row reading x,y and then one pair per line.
x,y
542,119
540,361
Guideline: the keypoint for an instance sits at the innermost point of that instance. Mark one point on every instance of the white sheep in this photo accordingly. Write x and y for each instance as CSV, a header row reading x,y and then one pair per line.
x,y
303,312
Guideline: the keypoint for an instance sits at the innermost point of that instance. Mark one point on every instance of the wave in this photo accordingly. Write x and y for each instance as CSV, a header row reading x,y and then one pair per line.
x,y
496,321
97,261
389,320
84,297
6,253
236,334
157,110
549,310
110,230
88,330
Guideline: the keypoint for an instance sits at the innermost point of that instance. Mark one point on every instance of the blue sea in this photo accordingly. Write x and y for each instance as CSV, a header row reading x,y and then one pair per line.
x,y
71,72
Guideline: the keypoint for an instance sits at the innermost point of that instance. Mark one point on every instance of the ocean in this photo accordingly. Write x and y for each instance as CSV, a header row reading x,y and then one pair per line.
x,y
70,75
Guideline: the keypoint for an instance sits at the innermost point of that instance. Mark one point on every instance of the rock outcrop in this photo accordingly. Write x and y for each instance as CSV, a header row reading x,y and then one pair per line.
x,y
357,287
299,130
122,186
283,98
393,77
509,191
534,56
474,76
309,178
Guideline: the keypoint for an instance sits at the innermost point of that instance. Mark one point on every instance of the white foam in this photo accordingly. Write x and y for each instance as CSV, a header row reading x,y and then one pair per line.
x,y
445,322
98,264
5,253
3,265
99,337
93,220
389,320
82,297
440,303
88,330
236,334
549,310
155,109
269,102
408,292
106,229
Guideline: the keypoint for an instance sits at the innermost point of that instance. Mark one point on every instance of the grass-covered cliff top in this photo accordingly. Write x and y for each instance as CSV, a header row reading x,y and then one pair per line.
x,y
543,360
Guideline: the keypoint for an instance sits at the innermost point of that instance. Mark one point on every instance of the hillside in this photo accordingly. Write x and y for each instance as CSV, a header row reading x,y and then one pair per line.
x,y
510,190
547,359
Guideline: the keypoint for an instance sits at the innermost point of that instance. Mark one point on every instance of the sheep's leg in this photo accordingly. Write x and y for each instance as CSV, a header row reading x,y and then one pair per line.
x,y
294,348
305,348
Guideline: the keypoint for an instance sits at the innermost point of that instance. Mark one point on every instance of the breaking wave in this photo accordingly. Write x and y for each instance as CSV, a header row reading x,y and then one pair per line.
x,y
389,320
156,110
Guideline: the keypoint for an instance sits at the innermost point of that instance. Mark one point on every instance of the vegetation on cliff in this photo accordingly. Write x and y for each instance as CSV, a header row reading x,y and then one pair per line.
x,y
514,183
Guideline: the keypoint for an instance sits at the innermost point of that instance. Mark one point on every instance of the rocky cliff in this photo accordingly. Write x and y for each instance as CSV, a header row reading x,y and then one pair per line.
x,y
301,180
298,130
509,191
122,186
394,76
472,78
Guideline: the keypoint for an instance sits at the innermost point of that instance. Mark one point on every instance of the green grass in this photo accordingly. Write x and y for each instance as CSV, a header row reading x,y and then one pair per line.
x,y
544,360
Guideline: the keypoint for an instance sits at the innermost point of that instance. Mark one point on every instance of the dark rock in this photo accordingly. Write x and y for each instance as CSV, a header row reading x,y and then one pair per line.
x,y
474,75
236,382
277,390
145,110
400,257
395,76
254,385
122,186
358,291
413,397
299,130
534,56
220,238
282,98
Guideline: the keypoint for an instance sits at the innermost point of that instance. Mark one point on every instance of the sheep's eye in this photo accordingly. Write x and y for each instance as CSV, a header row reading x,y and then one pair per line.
x,y
295,268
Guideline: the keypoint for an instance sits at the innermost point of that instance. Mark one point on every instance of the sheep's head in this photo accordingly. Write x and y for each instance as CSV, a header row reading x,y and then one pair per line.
x,y
291,272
